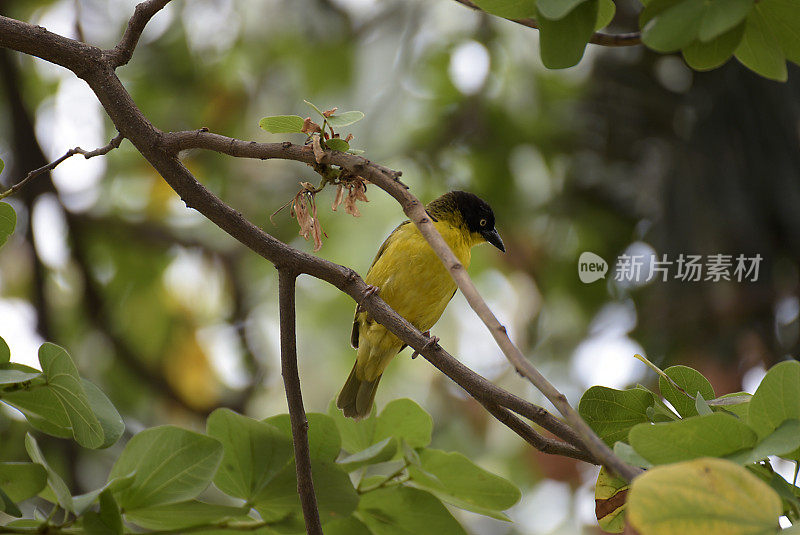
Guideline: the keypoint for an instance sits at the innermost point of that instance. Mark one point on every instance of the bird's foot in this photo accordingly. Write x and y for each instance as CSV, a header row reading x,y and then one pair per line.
x,y
433,341
369,291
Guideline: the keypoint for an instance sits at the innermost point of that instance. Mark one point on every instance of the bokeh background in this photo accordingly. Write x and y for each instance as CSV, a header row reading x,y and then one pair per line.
x,y
628,153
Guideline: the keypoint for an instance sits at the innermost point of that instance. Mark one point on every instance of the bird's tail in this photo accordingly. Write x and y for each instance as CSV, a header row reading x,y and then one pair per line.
x,y
357,395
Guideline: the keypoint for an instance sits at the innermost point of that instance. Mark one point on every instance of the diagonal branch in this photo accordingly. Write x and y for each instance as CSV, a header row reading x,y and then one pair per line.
x,y
113,144
297,414
597,38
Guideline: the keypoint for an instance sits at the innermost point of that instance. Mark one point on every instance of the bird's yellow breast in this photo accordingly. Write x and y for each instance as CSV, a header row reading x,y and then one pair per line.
x,y
412,279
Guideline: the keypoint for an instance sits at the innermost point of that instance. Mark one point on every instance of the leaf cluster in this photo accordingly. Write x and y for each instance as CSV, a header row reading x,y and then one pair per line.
x,y
707,457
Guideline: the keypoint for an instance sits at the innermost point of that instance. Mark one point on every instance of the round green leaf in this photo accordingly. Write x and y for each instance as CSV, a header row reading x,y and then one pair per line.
x,y
605,13
404,419
692,381
105,412
254,452
282,124
183,515
777,398
21,481
785,439
712,435
759,49
336,497
509,9
345,118
783,18
721,16
108,521
706,56
336,143
556,9
611,413
356,435
8,220
708,496
404,510
673,28
324,442
377,453
455,479
171,465
65,383
562,42
5,352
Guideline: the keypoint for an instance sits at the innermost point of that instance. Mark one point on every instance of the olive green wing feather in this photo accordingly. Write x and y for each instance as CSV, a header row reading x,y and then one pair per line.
x,y
359,309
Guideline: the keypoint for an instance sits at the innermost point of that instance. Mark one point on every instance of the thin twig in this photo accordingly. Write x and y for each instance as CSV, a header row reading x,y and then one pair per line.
x,y
123,52
113,144
294,396
597,38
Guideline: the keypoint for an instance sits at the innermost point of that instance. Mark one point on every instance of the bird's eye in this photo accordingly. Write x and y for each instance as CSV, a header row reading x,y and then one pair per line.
x,y
483,222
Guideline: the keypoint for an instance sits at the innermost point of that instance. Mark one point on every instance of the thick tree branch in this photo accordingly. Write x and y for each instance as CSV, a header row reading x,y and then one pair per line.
x,y
160,150
297,414
598,38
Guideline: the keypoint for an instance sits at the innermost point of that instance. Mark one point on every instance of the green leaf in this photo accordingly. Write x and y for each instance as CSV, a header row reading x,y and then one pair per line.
x,y
5,352
64,381
336,143
783,18
336,496
509,9
673,27
777,398
556,9
108,521
355,435
377,453
405,511
348,526
324,442
692,382
737,403
10,373
183,515
171,465
453,478
21,481
282,124
701,405
54,481
42,408
611,413
404,419
105,412
706,56
709,496
8,220
605,13
785,439
562,42
722,16
345,118
610,493
8,506
713,435
254,452
626,452
759,50
83,501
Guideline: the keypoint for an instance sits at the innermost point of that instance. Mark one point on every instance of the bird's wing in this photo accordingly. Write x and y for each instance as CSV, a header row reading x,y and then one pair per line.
x,y
359,309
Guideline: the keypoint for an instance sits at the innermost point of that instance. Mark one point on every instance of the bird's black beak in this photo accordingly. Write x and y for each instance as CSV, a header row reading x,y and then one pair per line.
x,y
494,238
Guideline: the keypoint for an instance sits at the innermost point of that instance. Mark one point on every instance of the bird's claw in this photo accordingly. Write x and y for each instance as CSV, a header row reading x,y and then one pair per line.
x,y
433,341
368,292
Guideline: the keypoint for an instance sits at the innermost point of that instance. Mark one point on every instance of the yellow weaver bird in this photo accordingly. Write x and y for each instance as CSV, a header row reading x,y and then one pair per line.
x,y
413,281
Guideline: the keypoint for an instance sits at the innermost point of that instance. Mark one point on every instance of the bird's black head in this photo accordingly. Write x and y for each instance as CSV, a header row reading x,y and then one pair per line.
x,y
476,214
